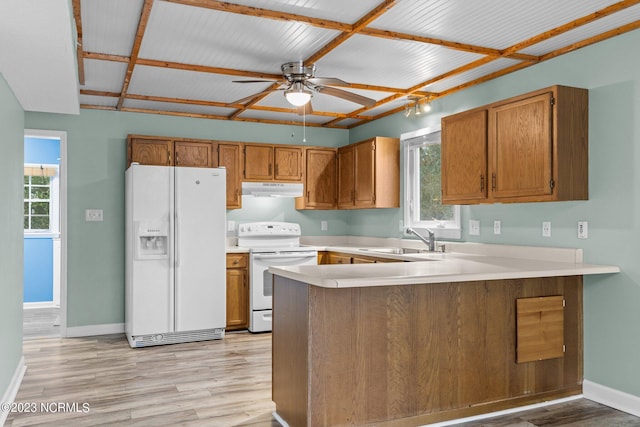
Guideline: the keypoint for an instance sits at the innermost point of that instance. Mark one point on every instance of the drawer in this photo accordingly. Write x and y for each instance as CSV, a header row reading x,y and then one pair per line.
x,y
236,260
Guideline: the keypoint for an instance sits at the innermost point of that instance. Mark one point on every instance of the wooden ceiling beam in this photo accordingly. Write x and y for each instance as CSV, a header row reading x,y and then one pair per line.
x,y
135,50
595,39
394,35
77,16
345,35
614,8
265,13
341,38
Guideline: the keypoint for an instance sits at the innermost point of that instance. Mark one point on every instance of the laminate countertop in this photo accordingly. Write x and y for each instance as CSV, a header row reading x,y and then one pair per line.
x,y
434,268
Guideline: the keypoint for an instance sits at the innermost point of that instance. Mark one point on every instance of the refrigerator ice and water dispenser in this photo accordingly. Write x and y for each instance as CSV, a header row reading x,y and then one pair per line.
x,y
152,239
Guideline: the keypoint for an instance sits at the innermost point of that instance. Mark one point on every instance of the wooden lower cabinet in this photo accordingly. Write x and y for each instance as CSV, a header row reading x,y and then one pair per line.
x,y
237,292
344,258
415,354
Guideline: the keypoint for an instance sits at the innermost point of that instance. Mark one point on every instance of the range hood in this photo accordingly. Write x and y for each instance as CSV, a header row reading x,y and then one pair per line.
x,y
272,189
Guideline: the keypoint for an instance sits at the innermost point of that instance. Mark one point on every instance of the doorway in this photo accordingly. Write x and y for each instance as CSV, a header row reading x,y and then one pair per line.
x,y
44,234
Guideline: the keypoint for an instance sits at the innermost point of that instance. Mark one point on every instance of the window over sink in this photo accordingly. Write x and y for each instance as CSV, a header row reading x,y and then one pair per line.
x,y
422,197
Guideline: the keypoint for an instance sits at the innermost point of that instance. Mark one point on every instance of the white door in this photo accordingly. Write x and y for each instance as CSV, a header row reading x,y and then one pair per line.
x,y
200,235
149,302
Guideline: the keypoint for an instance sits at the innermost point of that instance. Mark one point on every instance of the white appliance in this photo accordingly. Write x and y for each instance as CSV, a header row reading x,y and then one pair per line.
x,y
175,254
270,244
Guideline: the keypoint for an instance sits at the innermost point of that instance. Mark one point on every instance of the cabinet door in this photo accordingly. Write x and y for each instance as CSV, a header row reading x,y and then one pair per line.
x,y
229,158
193,154
521,148
288,163
335,258
346,177
258,162
464,158
320,178
150,151
365,190
237,299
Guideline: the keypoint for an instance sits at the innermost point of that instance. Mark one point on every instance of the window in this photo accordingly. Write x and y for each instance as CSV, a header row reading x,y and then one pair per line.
x,y
422,190
40,201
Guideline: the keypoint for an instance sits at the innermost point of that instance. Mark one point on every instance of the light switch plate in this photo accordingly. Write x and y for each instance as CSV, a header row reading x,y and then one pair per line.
x,y
93,215
497,227
323,225
474,227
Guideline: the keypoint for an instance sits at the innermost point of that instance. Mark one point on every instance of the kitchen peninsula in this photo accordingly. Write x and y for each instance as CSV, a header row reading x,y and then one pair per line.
x,y
410,343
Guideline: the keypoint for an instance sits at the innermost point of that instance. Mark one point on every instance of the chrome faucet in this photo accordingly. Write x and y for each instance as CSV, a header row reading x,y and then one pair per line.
x,y
430,241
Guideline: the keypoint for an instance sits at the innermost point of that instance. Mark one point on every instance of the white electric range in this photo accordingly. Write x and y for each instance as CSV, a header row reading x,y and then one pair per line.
x,y
270,244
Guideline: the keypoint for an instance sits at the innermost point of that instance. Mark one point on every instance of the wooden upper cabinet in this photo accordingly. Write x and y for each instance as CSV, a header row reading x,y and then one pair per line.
x,y
288,163
365,181
258,162
194,154
149,151
464,157
320,178
270,162
346,177
536,149
229,158
369,174
156,151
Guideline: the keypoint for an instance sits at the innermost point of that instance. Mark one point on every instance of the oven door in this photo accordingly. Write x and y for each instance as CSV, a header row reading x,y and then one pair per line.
x,y
261,281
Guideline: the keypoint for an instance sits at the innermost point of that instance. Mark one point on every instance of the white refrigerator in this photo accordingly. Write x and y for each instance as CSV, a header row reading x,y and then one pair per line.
x,y
175,284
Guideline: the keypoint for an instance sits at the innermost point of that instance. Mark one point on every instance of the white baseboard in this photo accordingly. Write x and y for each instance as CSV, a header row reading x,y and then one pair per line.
x,y
43,304
12,391
611,397
90,330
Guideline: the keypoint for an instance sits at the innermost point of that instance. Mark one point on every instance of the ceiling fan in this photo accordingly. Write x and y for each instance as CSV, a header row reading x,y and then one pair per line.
x,y
299,83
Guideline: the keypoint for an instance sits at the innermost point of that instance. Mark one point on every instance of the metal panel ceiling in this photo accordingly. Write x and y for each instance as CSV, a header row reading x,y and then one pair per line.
x,y
111,25
190,52
581,33
192,35
496,24
104,75
333,10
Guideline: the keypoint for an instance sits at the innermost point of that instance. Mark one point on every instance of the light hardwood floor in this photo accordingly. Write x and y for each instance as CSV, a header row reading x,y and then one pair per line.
x,y
213,383
41,322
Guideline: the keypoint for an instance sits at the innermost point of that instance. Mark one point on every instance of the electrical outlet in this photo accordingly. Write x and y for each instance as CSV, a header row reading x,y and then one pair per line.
x,y
231,225
474,227
323,225
583,230
93,215
401,226
546,228
497,227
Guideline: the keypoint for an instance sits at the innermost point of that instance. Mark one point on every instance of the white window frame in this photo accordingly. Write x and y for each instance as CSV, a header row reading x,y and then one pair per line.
x,y
54,203
411,141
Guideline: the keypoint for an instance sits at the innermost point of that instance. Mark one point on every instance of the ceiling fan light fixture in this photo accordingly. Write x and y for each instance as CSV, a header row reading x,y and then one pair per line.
x,y
297,95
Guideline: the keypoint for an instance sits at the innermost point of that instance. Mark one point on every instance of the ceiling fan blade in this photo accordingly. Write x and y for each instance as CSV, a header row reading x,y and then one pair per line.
x,y
256,81
327,81
250,97
305,109
349,96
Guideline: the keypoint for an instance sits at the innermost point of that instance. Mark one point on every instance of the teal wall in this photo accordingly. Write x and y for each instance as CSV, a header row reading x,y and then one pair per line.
x,y
612,303
11,172
96,159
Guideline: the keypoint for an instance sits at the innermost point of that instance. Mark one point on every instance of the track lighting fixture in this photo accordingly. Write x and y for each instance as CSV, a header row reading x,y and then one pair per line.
x,y
418,106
